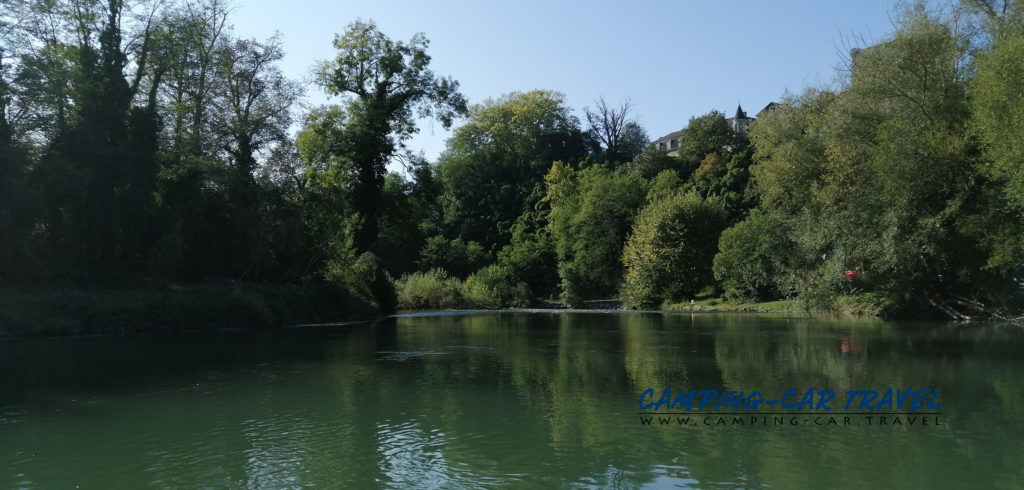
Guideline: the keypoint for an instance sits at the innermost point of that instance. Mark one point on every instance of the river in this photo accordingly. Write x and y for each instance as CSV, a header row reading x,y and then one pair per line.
x,y
525,399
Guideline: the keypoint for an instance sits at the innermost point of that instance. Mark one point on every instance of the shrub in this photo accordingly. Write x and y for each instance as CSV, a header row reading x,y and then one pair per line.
x,y
494,287
752,257
366,279
431,289
669,254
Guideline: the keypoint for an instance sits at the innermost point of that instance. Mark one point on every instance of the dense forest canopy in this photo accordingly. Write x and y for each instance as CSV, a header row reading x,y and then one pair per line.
x,y
143,139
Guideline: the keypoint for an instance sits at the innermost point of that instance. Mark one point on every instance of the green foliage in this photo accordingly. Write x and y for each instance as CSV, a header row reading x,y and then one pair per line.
x,y
703,136
651,162
386,83
874,179
668,256
367,279
495,287
494,162
592,212
753,258
531,257
663,185
454,255
432,289
408,215
133,148
865,304
998,109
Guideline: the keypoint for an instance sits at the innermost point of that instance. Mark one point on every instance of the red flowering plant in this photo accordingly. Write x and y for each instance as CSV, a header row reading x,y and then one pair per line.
x,y
851,275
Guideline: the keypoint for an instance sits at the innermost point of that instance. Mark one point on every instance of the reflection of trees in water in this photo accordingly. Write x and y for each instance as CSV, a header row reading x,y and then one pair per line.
x,y
795,354
548,399
651,360
492,394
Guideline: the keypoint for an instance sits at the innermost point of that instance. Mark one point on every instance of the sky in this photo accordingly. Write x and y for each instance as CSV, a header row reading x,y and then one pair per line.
x,y
672,59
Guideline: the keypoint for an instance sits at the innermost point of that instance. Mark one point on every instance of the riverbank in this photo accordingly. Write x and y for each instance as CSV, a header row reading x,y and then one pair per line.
x,y
864,304
172,308
195,307
721,305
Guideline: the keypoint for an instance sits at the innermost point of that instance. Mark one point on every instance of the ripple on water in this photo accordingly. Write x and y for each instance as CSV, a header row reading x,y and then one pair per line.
x,y
10,415
412,455
405,355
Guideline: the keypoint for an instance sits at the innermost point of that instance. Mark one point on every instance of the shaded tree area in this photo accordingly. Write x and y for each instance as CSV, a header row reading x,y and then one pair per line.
x,y
143,140
384,84
134,135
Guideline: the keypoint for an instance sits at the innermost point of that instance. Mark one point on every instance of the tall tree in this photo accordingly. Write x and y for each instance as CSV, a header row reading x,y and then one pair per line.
x,y
386,83
105,144
253,101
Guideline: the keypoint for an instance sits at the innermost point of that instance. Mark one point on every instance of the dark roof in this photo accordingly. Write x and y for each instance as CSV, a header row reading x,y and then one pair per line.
x,y
674,134
739,112
770,106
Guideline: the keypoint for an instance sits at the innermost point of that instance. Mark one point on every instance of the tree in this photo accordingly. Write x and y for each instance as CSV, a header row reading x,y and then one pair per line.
x,y
753,258
591,214
15,209
618,137
409,215
997,102
386,84
111,147
703,136
882,179
253,101
669,254
493,169
457,258
651,161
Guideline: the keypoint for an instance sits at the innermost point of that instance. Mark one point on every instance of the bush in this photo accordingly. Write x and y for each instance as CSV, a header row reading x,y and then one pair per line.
x,y
429,290
669,254
752,257
531,258
367,279
494,287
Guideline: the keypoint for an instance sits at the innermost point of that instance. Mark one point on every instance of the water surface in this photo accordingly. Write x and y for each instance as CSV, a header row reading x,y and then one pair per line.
x,y
503,399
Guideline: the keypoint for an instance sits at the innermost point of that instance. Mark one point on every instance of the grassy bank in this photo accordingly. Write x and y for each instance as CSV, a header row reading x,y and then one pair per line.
x,y
721,305
173,308
865,304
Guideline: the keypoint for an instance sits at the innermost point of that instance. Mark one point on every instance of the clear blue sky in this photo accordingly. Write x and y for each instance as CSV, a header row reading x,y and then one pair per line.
x,y
673,59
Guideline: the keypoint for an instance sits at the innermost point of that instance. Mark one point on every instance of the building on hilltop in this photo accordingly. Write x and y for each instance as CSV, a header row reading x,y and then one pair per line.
x,y
669,143
739,123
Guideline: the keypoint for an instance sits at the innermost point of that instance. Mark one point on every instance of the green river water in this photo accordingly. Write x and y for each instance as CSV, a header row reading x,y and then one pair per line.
x,y
513,399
